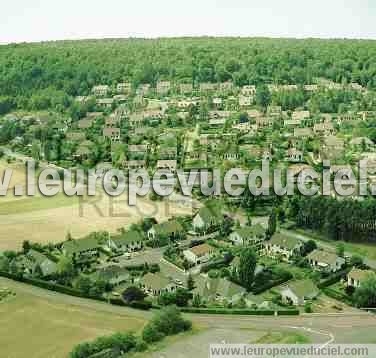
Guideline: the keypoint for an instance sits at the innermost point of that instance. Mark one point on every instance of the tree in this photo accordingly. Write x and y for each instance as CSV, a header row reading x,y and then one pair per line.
x,y
309,246
133,294
83,283
196,302
263,96
246,268
190,283
356,261
340,250
26,246
365,294
168,321
272,223
65,268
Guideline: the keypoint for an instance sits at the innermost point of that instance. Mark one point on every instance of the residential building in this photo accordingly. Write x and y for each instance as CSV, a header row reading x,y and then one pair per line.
x,y
199,254
126,242
283,246
168,229
325,261
163,87
207,219
299,292
101,90
155,284
249,236
112,133
356,277
170,165
81,249
294,155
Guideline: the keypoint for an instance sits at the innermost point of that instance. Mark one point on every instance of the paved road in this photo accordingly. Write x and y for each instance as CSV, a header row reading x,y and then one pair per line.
x,y
358,327
327,246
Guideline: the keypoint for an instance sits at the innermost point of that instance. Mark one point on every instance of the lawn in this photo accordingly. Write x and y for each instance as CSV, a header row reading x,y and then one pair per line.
x,y
36,327
283,338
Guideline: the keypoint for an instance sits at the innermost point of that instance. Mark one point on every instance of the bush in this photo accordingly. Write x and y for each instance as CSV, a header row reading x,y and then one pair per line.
x,y
167,322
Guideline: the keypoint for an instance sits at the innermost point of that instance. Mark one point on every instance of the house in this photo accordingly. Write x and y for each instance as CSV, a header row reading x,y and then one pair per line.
x,y
248,90
126,242
207,219
217,122
112,121
75,136
113,275
254,113
323,129
105,102
245,101
163,87
155,284
186,88
124,87
311,88
219,289
294,155
81,249
274,111
300,115
332,148
199,254
137,150
136,119
253,236
291,123
299,292
168,229
263,122
325,261
112,133
170,165
166,153
362,143
226,86
37,262
85,123
217,102
356,276
101,90
303,133
134,164
208,87
283,246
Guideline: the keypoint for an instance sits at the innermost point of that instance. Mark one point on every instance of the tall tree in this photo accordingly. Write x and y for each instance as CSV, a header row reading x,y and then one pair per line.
x,y
246,268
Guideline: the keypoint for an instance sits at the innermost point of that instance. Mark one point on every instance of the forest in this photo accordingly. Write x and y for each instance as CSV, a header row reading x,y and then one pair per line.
x,y
48,75
348,220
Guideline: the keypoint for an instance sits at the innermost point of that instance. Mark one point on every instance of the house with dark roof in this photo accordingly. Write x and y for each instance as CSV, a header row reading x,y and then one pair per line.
x,y
283,246
36,261
299,292
207,219
325,261
219,290
170,229
126,242
113,275
356,277
82,249
248,236
155,284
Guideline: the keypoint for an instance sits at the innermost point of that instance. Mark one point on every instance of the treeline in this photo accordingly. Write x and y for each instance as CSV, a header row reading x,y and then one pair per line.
x,y
49,74
349,220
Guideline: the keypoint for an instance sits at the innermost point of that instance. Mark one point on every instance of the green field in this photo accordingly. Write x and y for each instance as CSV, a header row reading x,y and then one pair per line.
x,y
283,338
36,327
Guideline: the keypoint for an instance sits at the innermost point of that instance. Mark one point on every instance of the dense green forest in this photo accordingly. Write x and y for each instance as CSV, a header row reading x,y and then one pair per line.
x,y
45,75
348,220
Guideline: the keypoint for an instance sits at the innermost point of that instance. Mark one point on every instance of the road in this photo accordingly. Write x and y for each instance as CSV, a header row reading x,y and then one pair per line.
x,y
327,246
358,327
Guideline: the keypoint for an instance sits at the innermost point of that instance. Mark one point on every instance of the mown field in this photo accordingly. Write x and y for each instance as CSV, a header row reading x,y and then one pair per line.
x,y
36,327
49,219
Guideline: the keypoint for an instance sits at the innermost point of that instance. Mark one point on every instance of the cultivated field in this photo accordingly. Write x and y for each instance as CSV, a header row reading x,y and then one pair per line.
x,y
33,326
49,219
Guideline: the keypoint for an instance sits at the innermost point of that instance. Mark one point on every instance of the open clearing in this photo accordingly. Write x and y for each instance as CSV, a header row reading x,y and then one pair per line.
x,y
37,327
49,219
